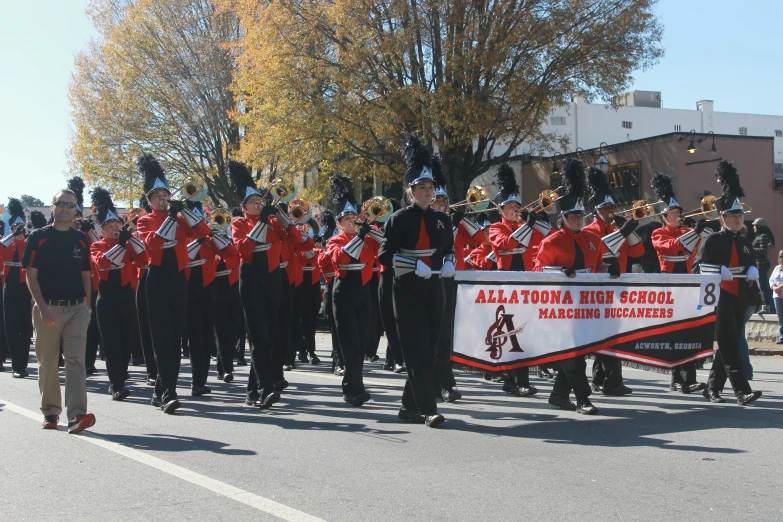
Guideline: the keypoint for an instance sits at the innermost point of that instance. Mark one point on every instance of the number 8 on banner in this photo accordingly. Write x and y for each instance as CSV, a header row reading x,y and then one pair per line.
x,y
709,290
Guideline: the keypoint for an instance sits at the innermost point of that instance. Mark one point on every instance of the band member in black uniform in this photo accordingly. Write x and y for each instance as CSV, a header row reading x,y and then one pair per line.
x,y
352,255
417,242
17,307
620,242
165,232
729,254
116,257
676,246
328,230
570,250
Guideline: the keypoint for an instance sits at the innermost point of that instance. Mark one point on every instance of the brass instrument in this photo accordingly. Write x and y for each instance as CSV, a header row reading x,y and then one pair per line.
x,y
707,209
283,192
642,211
546,201
477,199
134,214
378,209
191,189
219,219
299,211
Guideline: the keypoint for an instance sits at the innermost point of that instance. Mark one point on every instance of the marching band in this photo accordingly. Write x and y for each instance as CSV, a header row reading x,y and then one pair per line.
x,y
173,265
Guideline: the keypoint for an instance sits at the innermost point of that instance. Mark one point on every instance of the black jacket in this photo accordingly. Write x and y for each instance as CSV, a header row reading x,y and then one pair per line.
x,y
403,228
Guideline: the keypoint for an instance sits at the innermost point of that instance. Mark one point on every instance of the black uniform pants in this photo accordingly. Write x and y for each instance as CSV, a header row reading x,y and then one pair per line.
x,y
3,345
337,353
351,302
728,327
18,317
239,352
93,334
282,347
311,303
200,321
376,325
386,307
260,292
228,319
444,376
418,311
295,325
167,300
572,377
115,311
607,372
144,326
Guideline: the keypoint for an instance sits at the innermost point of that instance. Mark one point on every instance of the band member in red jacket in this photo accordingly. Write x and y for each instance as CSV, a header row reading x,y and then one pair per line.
x,y
352,255
515,239
328,230
17,307
142,310
117,258
228,314
165,232
311,292
418,243
572,250
677,246
619,243
483,256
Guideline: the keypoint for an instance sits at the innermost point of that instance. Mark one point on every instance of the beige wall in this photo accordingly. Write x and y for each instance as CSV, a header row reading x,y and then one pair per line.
x,y
752,156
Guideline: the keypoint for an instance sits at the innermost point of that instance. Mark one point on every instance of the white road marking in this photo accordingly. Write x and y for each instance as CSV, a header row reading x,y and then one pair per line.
x,y
221,488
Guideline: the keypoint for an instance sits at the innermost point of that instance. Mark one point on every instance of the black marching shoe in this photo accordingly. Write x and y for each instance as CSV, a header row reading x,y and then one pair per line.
x,y
151,381
198,391
287,367
585,407
743,399
229,377
374,358
171,406
268,401
156,402
596,387
693,388
410,416
21,374
303,358
358,399
434,420
512,389
450,394
527,391
251,400
388,366
713,396
241,362
91,370
545,374
399,368
118,395
675,387
618,391
562,402
314,359
339,370
281,385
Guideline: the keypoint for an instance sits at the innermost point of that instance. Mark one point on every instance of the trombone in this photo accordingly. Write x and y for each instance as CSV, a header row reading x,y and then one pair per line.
x,y
477,199
219,219
191,189
133,216
283,193
546,201
707,209
378,209
299,211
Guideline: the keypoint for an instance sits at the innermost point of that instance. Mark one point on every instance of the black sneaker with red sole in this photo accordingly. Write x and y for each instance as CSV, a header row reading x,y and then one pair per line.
x,y
50,422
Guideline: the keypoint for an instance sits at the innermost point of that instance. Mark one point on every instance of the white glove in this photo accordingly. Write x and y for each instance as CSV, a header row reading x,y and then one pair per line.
x,y
725,274
752,274
448,269
422,270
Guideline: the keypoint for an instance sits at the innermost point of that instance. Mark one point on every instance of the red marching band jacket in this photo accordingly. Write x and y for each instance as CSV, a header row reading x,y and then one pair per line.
x,y
289,254
507,248
483,257
632,246
463,243
207,259
242,226
343,263
128,264
308,257
558,251
326,265
8,251
675,245
228,264
148,226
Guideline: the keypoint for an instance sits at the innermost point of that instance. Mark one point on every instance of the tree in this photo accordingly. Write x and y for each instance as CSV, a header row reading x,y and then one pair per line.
x,y
336,84
156,80
31,201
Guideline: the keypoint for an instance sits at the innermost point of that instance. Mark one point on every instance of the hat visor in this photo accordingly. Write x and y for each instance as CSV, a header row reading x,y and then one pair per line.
x,y
151,192
733,211
421,180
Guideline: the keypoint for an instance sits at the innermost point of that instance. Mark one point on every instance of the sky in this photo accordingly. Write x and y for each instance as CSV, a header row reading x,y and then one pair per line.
x,y
726,51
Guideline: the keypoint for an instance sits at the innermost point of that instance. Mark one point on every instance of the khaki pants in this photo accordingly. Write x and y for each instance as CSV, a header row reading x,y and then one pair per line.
x,y
71,329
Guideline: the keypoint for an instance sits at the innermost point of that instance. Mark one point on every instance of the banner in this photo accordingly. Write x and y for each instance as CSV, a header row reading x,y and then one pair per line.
x,y
508,320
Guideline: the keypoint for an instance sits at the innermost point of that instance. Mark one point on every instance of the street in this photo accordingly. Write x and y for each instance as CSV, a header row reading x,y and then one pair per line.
x,y
653,455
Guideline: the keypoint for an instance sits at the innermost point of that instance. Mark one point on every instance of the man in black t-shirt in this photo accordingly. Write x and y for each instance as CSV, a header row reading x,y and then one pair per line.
x,y
57,260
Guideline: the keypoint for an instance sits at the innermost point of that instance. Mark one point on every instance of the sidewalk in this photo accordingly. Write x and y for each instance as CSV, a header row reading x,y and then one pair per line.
x,y
757,348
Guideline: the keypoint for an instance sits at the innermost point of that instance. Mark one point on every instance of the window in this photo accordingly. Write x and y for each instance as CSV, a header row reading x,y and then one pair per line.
x,y
627,125
743,131
677,128
779,133
557,120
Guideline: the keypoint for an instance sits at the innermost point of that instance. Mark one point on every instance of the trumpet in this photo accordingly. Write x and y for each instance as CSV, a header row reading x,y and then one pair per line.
x,y
477,199
299,211
219,219
191,189
378,209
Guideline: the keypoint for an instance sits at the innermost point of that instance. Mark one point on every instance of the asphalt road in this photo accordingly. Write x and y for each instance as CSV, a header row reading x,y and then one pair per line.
x,y
654,455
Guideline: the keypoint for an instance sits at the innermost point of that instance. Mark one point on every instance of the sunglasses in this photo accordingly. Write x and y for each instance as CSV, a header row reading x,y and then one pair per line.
x,y
65,204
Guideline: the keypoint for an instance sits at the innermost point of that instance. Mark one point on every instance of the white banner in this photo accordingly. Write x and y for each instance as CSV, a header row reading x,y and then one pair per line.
x,y
507,320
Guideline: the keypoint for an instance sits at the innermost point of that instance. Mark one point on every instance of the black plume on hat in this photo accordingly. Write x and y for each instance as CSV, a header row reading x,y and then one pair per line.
x,y
38,219
599,186
340,193
150,170
314,225
728,177
574,185
415,156
15,210
101,200
76,185
236,212
507,181
328,223
144,203
2,228
437,171
241,178
662,187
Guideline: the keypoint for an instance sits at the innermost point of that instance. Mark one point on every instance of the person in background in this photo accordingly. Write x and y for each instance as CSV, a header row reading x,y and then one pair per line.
x,y
776,285
762,244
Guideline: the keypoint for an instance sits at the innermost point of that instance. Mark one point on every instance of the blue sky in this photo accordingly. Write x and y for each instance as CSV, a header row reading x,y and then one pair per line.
x,y
726,51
